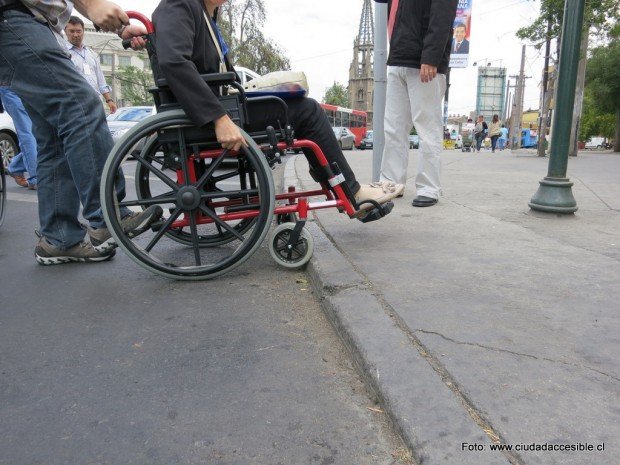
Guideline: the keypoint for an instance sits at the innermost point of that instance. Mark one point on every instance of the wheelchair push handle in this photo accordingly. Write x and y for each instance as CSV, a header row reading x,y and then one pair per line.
x,y
145,22
126,43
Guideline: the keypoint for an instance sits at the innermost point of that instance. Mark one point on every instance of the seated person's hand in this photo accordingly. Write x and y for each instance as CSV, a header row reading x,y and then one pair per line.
x,y
228,134
134,32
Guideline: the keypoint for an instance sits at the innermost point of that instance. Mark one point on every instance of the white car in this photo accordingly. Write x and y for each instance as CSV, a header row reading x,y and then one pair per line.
x,y
595,143
8,139
123,119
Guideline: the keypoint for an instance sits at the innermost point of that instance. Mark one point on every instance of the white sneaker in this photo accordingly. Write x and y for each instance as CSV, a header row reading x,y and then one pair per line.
x,y
380,192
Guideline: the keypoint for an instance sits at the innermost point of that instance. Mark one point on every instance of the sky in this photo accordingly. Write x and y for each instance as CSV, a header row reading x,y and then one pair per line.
x,y
317,36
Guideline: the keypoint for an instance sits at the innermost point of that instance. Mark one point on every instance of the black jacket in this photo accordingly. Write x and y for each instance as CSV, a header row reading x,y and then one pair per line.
x,y
185,50
422,33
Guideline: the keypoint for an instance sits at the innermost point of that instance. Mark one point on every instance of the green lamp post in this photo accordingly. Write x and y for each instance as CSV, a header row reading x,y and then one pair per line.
x,y
554,193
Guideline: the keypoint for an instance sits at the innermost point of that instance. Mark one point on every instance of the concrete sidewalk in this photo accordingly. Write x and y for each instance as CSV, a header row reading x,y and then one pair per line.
x,y
479,321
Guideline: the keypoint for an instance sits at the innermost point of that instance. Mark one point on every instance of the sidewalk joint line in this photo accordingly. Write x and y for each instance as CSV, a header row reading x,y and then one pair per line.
x,y
594,193
519,354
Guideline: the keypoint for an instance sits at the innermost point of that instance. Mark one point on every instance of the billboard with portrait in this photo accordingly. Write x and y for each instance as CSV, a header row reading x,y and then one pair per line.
x,y
461,32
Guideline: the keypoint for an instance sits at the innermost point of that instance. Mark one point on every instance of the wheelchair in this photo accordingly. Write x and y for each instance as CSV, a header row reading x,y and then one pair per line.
x,y
218,204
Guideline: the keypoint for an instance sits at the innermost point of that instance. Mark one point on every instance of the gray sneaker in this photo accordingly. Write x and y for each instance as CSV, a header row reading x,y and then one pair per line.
x,y
47,254
134,224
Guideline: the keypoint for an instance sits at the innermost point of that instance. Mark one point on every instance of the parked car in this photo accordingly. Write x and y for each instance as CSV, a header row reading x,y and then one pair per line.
x,y
124,119
8,140
366,142
595,143
245,74
414,141
345,137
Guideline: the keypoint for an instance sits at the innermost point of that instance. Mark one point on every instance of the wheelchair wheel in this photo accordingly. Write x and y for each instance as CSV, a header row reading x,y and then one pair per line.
x,y
217,208
2,195
153,153
290,255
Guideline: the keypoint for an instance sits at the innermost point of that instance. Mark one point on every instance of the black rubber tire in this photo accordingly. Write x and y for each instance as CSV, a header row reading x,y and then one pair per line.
x,y
168,259
2,195
8,149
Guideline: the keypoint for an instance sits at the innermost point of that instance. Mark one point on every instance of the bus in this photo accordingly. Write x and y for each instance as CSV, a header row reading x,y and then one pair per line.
x,y
354,120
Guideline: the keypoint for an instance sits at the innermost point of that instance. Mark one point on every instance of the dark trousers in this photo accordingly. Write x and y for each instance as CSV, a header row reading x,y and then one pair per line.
x,y
494,142
309,122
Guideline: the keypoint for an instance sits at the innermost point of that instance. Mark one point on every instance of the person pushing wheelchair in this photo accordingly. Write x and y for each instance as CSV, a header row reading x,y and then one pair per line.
x,y
186,48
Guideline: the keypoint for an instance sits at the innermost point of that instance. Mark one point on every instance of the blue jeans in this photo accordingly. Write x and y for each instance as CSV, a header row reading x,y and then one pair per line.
x,y
68,123
26,160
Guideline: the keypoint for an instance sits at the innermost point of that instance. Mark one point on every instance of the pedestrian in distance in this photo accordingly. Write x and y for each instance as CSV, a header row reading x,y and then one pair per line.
x,y
419,32
68,123
86,61
190,44
26,159
494,132
480,132
503,137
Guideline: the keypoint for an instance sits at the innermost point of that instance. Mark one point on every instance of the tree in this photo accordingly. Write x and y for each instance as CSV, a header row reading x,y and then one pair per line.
x,y
337,95
135,84
603,89
240,22
598,16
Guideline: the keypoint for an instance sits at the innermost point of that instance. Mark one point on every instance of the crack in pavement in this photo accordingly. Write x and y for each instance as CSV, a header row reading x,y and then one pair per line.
x,y
445,376
519,354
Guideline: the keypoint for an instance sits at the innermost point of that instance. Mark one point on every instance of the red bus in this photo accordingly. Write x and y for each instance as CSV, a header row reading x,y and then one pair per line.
x,y
354,120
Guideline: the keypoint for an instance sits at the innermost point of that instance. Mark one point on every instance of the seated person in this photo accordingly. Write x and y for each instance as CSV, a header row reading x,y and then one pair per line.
x,y
185,50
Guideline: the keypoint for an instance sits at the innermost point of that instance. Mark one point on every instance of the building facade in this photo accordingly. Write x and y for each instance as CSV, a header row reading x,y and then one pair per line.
x,y
113,58
361,83
491,94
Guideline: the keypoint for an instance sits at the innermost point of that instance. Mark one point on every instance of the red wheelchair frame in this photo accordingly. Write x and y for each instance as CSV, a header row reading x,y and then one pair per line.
x,y
291,207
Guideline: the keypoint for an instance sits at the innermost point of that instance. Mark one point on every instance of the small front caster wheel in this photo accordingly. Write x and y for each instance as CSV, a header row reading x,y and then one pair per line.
x,y
290,255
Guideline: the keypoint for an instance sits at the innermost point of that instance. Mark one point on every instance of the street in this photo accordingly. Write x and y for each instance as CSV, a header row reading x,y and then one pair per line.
x,y
110,364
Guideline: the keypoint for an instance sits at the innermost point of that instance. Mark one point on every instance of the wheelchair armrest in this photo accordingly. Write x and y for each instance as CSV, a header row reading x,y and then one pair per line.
x,y
216,79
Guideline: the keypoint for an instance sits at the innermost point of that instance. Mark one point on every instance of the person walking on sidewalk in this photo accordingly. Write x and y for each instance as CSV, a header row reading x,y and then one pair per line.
x,y
86,61
420,34
494,132
68,122
26,159
480,132
503,137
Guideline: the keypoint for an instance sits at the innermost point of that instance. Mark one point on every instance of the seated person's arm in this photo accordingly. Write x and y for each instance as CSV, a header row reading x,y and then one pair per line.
x,y
176,24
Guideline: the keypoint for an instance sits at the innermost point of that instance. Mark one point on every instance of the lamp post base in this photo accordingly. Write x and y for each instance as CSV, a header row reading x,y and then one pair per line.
x,y
554,195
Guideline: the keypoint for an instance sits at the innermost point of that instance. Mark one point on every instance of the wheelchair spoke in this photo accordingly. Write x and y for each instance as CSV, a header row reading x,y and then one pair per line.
x,y
173,185
183,156
148,202
211,214
212,167
163,230
194,233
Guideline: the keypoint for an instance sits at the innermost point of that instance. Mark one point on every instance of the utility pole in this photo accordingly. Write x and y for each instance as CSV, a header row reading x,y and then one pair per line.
x,y
544,109
380,87
517,114
555,193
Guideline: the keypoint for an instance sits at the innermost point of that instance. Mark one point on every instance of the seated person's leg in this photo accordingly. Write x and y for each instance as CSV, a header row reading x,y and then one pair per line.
x,y
310,122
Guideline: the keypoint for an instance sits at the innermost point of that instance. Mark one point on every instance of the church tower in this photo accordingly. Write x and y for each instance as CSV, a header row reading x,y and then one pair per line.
x,y
360,71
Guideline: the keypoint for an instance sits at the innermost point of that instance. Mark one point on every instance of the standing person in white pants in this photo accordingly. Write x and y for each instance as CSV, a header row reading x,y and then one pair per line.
x,y
420,34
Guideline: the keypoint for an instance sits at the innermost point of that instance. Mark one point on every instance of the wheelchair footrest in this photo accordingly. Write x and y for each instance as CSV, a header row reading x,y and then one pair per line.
x,y
377,213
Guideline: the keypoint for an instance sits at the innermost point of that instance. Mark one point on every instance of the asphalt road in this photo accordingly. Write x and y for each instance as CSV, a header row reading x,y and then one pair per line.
x,y
109,364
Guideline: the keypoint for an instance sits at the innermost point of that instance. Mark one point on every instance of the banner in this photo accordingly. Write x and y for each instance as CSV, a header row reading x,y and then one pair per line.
x,y
459,50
